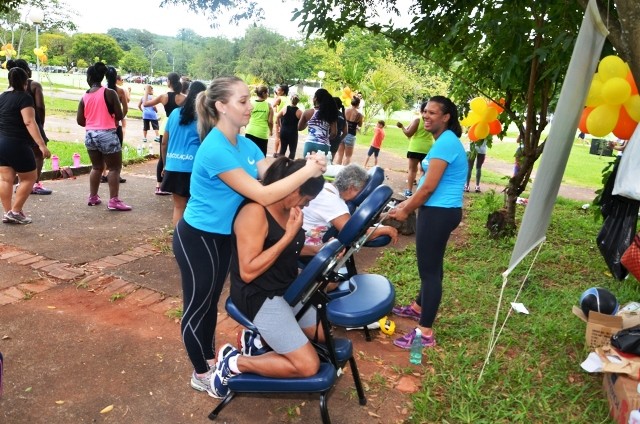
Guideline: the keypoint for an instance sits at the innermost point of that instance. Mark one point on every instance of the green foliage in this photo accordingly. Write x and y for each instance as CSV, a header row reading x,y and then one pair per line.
x,y
534,373
134,61
217,58
89,46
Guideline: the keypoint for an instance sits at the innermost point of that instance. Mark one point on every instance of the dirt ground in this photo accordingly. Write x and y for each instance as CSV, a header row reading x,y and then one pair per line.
x,y
87,317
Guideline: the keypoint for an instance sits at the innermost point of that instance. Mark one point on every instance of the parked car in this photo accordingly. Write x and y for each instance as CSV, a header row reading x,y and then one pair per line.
x,y
139,79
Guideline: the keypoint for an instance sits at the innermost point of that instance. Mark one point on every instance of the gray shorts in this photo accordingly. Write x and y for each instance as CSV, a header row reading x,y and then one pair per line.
x,y
276,323
104,141
349,140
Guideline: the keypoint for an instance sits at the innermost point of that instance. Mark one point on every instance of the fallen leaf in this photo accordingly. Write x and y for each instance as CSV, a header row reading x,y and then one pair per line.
x,y
51,307
374,414
298,410
107,409
5,337
28,389
59,402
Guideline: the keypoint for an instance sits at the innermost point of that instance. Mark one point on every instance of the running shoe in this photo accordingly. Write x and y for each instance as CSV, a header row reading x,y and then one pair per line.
x,y
407,193
159,192
477,189
250,343
222,373
466,189
16,218
94,200
38,188
406,341
406,312
116,204
202,384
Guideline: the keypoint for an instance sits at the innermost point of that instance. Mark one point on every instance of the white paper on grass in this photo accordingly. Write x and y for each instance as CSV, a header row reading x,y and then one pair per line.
x,y
519,307
593,363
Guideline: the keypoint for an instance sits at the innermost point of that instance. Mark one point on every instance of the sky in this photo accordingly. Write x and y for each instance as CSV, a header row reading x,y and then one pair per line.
x,y
148,15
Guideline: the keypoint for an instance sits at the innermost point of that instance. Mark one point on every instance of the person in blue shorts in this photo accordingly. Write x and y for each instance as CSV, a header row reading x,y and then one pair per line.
x,y
226,169
439,200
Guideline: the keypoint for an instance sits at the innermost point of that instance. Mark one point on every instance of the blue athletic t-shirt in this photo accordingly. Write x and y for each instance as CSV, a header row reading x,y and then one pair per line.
x,y
184,142
449,192
213,204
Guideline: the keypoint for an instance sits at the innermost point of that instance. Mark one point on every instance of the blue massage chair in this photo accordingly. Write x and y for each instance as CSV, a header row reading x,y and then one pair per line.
x,y
369,298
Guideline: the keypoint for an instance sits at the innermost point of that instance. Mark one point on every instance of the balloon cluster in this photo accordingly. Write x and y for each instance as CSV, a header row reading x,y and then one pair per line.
x,y
7,51
346,96
41,53
613,103
482,120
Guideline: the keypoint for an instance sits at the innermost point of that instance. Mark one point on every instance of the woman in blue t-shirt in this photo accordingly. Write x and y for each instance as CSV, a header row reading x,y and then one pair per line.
x,y
225,171
439,200
180,142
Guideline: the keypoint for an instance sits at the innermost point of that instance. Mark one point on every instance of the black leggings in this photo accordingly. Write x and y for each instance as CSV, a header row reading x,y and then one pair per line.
x,y
260,142
203,259
433,228
288,140
160,165
479,161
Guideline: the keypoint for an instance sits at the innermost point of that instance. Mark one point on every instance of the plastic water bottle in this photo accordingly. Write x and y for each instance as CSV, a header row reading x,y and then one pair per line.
x,y
329,159
139,150
55,163
415,355
76,160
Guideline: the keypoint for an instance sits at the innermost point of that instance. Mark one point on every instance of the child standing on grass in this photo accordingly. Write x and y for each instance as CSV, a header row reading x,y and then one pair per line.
x,y
376,143
149,115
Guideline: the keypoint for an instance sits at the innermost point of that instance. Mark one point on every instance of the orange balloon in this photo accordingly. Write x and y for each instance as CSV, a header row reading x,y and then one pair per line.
x,y
632,83
582,126
495,127
496,106
625,126
472,133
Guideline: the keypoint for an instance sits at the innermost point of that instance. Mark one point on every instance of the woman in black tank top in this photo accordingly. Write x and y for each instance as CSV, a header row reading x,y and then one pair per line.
x,y
170,100
287,120
266,243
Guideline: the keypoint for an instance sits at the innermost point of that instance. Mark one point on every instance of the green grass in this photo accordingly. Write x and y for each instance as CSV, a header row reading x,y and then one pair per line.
x,y
534,374
65,150
583,169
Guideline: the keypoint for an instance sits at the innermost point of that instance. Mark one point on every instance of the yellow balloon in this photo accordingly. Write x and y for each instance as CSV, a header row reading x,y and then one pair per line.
x,y
490,115
594,98
482,130
632,106
478,105
612,66
473,118
466,122
616,91
602,120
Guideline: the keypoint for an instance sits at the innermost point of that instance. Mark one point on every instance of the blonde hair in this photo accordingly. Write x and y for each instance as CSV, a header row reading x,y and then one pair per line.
x,y
220,90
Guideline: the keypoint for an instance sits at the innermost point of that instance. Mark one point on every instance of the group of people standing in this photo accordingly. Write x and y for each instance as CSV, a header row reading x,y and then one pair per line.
x,y
255,234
